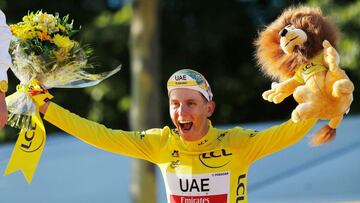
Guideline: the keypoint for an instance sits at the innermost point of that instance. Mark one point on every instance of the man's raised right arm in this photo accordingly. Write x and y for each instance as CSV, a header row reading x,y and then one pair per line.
x,y
144,145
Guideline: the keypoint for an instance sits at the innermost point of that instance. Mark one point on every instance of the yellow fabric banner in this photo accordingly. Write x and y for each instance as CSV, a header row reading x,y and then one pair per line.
x,y
28,149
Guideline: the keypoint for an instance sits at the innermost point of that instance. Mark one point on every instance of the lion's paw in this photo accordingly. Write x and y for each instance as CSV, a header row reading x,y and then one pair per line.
x,y
342,87
331,56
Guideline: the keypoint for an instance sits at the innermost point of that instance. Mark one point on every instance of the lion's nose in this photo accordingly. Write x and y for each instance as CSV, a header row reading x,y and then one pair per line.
x,y
283,32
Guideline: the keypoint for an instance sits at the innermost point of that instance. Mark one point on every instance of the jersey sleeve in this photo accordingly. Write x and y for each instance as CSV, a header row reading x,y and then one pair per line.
x,y
255,145
144,145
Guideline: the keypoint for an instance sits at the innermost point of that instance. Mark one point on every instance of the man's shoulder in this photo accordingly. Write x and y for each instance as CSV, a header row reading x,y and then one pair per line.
x,y
237,132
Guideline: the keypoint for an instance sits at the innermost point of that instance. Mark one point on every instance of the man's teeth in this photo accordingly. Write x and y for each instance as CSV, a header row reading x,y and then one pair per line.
x,y
184,122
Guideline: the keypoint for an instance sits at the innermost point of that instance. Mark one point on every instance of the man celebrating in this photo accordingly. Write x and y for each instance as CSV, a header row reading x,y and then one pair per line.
x,y
199,163
5,63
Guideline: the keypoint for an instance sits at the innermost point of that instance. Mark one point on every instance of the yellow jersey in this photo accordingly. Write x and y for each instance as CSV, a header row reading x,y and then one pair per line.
x,y
211,170
304,72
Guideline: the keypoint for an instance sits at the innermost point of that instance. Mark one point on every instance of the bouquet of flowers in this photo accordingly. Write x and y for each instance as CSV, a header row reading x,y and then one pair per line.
x,y
44,56
43,50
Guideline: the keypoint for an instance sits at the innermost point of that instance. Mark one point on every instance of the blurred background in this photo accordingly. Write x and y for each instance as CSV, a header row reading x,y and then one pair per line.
x,y
154,38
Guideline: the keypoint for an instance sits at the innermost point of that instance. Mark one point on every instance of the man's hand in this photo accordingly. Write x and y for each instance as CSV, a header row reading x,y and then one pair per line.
x,y
42,99
3,110
40,95
44,107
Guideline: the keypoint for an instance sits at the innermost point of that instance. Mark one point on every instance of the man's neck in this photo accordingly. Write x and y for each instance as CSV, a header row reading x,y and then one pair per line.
x,y
193,138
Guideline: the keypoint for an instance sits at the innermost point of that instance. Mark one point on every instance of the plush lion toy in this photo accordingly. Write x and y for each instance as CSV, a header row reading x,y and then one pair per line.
x,y
297,50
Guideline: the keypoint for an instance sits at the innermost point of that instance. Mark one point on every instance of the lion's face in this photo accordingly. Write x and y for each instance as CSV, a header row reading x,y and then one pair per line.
x,y
293,39
290,37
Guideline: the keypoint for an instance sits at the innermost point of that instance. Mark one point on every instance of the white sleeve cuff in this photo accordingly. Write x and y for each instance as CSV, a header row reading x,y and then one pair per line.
x,y
3,73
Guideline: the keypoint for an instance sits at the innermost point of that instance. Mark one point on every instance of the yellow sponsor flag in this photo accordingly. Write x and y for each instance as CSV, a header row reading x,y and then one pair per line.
x,y
28,149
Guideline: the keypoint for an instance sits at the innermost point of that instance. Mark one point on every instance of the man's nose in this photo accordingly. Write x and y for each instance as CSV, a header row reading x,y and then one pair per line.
x,y
283,32
182,110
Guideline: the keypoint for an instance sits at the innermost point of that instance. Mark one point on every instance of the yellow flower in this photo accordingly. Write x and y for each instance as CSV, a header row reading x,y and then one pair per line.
x,y
29,18
23,32
41,28
63,42
44,18
46,22
43,36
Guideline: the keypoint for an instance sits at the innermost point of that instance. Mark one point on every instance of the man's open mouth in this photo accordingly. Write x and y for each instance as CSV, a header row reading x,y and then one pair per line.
x,y
185,126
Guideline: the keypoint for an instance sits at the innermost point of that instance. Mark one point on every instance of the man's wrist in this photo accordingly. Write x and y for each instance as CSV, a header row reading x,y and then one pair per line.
x,y
42,98
44,107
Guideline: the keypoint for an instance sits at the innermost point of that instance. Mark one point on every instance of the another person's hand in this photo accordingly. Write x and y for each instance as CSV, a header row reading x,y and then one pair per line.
x,y
40,95
3,110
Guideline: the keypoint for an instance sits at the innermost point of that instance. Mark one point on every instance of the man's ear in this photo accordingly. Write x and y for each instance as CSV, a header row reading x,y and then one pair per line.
x,y
211,108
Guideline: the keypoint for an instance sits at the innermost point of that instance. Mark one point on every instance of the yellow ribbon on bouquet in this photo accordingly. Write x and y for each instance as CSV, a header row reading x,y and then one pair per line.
x,y
30,143
28,149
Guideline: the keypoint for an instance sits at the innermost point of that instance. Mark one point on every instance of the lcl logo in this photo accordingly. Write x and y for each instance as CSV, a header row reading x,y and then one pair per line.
x,y
215,159
32,142
308,66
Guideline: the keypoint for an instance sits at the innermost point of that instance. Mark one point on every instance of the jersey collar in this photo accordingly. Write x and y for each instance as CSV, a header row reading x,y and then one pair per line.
x,y
316,60
203,143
